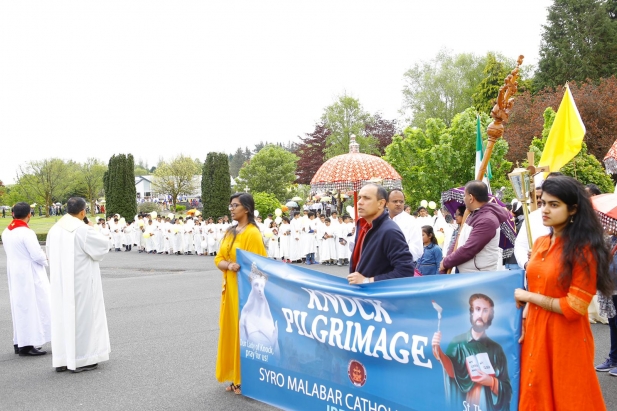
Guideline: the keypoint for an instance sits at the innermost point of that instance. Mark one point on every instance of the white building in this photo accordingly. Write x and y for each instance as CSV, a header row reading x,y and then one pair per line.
x,y
146,191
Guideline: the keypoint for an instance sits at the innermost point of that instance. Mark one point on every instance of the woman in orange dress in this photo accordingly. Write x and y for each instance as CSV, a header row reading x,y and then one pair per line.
x,y
565,269
244,236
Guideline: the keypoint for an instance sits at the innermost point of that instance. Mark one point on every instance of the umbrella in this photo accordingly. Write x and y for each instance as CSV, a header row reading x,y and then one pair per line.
x,y
610,159
296,198
326,199
191,211
292,204
606,209
349,172
454,198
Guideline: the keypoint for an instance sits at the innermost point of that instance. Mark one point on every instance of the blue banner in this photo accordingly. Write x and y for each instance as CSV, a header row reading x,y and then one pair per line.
x,y
311,341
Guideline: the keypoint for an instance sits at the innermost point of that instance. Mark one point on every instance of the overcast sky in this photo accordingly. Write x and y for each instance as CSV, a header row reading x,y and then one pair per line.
x,y
159,78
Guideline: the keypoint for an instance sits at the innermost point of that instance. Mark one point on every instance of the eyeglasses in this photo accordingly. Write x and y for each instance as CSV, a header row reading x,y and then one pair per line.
x,y
233,206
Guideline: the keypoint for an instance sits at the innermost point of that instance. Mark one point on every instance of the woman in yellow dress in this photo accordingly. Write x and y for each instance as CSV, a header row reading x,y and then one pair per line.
x,y
246,236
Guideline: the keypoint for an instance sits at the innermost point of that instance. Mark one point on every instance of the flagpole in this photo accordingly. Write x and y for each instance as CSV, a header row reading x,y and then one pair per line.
x,y
500,113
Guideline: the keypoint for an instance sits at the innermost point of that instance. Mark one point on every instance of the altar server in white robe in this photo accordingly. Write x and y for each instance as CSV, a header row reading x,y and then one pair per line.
x,y
272,240
105,232
188,236
79,334
198,238
345,237
29,290
328,247
139,222
178,234
116,233
210,236
128,236
295,248
284,239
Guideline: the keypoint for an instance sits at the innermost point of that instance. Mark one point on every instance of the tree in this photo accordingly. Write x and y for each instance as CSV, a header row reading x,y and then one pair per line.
x,y
382,131
496,69
236,162
584,167
44,181
119,186
266,203
2,192
140,171
442,87
596,102
579,42
176,177
215,185
311,153
344,118
439,158
271,170
91,177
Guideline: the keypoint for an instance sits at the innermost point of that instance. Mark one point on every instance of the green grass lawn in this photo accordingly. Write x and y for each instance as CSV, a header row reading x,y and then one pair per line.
x,y
40,225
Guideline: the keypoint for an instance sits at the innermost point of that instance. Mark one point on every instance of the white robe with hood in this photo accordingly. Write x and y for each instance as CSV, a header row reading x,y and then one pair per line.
x,y
79,334
28,287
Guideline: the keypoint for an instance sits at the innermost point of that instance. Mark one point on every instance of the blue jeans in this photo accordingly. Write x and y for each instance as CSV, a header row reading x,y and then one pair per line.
x,y
612,324
513,267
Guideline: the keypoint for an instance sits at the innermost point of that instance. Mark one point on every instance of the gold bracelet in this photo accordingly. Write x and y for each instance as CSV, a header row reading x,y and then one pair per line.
x,y
547,303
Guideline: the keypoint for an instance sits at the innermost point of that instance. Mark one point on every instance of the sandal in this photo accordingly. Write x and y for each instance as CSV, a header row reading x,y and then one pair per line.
x,y
231,387
238,389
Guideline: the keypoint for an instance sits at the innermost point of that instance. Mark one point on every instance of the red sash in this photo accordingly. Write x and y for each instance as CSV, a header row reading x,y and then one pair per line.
x,y
17,223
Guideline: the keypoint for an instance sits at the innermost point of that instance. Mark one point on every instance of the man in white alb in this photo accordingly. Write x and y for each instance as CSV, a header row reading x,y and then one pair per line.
x,y
79,335
408,225
28,284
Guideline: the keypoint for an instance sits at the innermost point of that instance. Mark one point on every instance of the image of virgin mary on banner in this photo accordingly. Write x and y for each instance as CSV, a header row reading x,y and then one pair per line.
x,y
311,341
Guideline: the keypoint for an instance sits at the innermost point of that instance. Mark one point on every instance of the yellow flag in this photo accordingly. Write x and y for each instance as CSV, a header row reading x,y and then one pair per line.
x,y
566,136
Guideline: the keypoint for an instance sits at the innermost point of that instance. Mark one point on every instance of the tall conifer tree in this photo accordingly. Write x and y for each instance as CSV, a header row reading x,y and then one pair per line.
x,y
215,185
579,42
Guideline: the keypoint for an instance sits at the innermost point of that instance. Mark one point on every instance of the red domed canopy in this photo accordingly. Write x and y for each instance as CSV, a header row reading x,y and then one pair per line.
x,y
349,172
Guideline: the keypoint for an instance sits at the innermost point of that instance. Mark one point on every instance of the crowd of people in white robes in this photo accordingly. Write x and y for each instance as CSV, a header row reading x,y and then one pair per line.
x,y
155,234
311,238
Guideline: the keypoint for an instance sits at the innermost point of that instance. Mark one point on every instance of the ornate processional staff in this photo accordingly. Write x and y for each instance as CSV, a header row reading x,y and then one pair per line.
x,y
500,113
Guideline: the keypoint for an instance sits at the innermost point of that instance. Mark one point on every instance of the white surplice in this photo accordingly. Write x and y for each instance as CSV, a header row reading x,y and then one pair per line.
x,y
29,289
79,334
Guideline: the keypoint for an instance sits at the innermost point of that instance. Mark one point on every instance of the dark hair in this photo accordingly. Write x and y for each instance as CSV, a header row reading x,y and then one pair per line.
x,y
286,219
554,174
461,209
249,205
393,190
478,190
327,220
582,236
594,190
75,205
488,299
420,208
21,210
428,230
311,214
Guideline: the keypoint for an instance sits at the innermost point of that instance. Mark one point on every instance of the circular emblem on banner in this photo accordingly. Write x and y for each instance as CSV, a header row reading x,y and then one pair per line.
x,y
356,373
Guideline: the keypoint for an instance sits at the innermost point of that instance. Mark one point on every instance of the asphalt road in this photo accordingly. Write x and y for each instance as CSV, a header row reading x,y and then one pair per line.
x,y
162,312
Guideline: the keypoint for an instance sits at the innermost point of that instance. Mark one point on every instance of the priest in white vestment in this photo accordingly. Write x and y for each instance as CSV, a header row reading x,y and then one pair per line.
x,y
79,334
28,284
